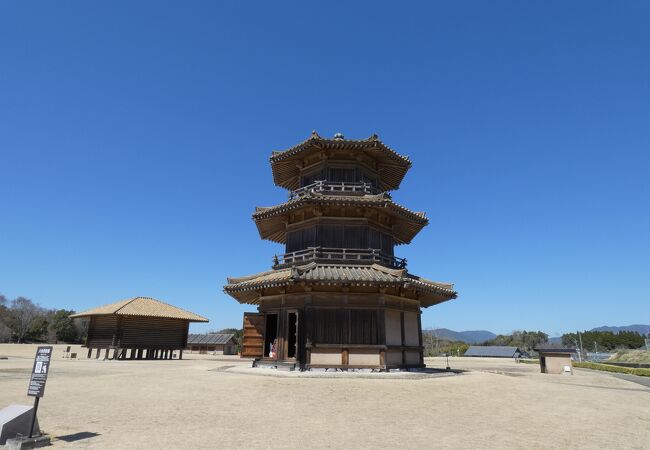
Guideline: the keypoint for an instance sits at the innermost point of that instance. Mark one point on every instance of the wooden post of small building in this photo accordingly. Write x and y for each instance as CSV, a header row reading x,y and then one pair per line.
x,y
106,353
180,355
345,357
98,352
90,352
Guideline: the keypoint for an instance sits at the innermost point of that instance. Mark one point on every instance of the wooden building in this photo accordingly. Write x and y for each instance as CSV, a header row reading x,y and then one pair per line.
x,y
338,297
556,360
215,343
138,328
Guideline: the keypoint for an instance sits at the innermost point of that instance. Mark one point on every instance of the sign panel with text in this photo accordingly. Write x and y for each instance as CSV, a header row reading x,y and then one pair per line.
x,y
40,371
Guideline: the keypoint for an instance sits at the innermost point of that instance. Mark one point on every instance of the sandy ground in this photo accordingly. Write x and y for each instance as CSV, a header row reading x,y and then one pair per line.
x,y
219,402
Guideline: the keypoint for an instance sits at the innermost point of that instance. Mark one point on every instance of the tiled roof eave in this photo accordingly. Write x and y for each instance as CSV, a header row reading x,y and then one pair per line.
x,y
267,212
418,285
372,143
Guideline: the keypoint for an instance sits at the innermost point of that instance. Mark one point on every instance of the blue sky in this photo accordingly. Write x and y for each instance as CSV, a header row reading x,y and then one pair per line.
x,y
134,144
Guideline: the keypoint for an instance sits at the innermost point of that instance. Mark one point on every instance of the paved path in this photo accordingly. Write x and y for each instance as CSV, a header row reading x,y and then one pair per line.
x,y
644,381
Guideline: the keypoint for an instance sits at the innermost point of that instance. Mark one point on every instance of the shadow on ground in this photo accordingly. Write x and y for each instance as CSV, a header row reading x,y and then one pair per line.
x,y
77,436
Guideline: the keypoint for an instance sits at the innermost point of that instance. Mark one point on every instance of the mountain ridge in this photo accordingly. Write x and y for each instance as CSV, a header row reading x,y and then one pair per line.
x,y
480,336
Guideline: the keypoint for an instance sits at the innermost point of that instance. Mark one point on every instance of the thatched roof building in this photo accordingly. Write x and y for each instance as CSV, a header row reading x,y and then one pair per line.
x,y
146,327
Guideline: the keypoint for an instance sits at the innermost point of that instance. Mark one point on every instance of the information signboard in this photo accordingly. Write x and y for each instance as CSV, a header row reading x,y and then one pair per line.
x,y
39,371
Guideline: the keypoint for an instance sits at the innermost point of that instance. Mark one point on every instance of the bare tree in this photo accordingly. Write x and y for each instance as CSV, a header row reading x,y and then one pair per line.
x,y
22,314
5,331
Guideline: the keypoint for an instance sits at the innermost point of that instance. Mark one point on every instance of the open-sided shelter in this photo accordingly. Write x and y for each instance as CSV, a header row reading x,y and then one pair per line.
x,y
338,297
138,328
493,351
218,343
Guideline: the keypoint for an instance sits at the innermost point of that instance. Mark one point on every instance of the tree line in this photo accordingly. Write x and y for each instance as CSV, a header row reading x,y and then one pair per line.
x,y
604,340
22,320
524,340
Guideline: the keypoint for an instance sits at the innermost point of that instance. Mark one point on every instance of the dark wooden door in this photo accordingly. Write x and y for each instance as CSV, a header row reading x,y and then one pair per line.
x,y
253,341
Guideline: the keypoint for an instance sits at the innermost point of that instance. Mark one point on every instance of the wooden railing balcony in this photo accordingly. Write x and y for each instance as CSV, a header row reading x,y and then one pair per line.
x,y
331,187
338,255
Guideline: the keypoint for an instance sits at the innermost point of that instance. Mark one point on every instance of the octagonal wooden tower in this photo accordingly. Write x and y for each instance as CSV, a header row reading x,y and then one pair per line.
x,y
338,297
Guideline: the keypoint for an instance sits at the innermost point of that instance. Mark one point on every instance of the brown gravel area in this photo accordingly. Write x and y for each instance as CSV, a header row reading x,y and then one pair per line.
x,y
219,402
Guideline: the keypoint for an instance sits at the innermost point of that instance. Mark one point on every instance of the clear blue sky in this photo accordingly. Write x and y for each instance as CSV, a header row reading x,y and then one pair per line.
x,y
135,136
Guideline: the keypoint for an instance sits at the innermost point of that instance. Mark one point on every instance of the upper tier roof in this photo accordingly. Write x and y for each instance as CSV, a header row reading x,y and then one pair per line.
x,y
143,307
391,165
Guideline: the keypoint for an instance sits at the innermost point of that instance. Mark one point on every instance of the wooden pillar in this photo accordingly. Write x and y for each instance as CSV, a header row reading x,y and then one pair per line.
x,y
420,336
106,354
382,358
139,353
90,352
98,352
345,357
180,355
133,352
401,318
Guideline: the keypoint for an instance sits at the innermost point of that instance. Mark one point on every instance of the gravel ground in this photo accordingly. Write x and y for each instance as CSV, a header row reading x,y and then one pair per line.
x,y
207,402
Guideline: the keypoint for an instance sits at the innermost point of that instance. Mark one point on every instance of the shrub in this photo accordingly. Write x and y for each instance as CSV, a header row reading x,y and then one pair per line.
x,y
610,368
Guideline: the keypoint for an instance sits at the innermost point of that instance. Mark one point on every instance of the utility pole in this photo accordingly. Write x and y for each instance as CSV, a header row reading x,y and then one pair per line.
x,y
581,349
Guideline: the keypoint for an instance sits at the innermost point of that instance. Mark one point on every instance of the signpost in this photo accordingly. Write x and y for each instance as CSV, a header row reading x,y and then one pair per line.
x,y
39,377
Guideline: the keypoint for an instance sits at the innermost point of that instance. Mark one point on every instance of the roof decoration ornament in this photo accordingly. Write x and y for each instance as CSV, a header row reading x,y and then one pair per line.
x,y
339,137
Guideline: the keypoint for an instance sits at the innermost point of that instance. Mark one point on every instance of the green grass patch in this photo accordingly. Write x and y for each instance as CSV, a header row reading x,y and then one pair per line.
x,y
609,368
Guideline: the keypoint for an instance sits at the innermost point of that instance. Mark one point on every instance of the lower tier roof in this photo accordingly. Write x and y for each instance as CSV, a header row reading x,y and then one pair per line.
x,y
249,289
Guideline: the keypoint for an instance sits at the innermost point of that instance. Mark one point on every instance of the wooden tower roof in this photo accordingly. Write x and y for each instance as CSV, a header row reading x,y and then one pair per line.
x,y
248,289
271,221
390,165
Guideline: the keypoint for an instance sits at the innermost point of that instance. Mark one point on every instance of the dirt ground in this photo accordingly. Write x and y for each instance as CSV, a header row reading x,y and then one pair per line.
x,y
219,402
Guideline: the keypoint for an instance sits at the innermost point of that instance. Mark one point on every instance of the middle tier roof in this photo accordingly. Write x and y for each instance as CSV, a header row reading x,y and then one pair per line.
x,y
403,223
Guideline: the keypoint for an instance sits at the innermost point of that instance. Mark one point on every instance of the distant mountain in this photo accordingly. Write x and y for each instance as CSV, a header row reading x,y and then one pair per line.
x,y
471,337
641,329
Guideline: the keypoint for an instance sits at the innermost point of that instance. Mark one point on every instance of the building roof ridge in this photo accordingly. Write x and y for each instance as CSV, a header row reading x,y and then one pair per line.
x,y
278,155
